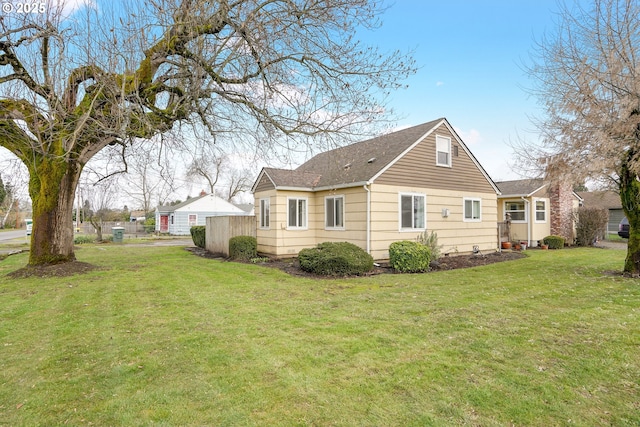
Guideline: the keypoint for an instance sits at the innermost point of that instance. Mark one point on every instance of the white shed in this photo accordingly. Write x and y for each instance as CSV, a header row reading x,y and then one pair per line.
x,y
178,219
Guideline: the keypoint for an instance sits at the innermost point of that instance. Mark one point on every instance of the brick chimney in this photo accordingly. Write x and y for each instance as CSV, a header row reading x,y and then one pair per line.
x,y
561,210
202,193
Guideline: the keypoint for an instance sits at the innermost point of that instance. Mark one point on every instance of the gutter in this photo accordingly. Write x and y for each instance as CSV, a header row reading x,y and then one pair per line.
x,y
368,235
529,220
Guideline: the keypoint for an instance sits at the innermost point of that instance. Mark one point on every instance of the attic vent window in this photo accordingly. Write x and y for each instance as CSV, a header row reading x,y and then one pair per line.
x,y
371,160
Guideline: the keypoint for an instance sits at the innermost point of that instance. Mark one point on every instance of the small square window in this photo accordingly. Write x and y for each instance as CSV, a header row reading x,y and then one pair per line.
x,y
472,210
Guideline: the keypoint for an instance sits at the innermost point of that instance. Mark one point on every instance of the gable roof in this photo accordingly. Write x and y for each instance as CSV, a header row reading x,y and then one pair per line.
x,y
357,164
215,204
520,187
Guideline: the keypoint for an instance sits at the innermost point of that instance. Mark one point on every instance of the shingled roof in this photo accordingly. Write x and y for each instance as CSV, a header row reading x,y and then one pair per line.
x,y
353,164
601,199
520,187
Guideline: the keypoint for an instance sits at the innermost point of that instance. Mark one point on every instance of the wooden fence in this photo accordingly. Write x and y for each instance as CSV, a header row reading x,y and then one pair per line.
x,y
129,227
221,228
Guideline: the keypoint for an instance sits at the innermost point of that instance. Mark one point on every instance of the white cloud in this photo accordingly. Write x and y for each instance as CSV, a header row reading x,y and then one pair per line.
x,y
471,137
69,7
439,84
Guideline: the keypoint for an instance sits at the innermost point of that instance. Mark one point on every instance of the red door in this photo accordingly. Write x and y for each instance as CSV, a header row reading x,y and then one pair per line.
x,y
164,223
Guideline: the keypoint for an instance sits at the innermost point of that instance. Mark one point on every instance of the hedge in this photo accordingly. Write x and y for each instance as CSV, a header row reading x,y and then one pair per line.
x,y
409,257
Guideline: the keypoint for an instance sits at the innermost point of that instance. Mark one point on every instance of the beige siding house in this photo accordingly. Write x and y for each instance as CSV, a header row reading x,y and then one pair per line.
x,y
527,203
378,191
537,209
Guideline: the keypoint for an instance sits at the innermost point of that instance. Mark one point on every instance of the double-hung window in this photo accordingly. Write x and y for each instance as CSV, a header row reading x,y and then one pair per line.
x,y
443,151
516,210
541,211
193,220
265,207
412,212
334,212
297,209
472,210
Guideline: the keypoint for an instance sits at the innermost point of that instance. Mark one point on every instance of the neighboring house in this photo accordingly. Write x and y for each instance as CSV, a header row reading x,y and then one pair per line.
x,y
138,215
178,219
375,192
247,207
537,209
609,200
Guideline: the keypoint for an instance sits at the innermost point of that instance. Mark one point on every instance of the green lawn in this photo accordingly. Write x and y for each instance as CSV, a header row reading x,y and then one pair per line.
x,y
159,336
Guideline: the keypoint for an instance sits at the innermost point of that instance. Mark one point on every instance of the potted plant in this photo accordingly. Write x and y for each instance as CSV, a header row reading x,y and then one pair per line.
x,y
506,245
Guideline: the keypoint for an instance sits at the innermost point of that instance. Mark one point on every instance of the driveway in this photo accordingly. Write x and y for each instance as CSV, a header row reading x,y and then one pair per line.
x,y
611,244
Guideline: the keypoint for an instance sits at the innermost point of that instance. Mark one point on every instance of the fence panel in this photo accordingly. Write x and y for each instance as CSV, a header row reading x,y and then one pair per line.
x,y
221,228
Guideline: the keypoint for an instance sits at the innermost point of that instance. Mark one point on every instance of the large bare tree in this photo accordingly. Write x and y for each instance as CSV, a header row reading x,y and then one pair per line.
x,y
268,70
587,78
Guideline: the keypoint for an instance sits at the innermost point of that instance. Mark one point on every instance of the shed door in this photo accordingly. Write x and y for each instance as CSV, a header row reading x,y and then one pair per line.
x,y
164,223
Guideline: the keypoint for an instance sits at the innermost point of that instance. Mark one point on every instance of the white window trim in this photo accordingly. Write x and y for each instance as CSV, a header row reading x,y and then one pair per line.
x,y
412,230
306,214
189,220
464,204
535,211
341,227
448,140
266,202
526,215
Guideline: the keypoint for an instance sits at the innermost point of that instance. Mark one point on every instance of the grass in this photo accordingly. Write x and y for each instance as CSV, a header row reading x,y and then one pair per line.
x,y
159,336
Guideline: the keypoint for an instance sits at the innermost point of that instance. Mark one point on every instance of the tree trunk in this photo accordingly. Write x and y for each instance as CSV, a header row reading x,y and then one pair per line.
x,y
52,188
630,198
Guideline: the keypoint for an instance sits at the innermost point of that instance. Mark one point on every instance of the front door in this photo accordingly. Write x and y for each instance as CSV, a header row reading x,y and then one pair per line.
x,y
164,223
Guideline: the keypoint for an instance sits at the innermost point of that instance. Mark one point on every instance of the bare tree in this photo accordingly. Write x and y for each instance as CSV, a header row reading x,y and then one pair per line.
x,y
247,71
100,197
587,78
208,166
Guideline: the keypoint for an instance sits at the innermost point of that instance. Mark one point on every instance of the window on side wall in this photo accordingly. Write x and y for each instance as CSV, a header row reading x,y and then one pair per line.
x,y
334,212
265,207
443,151
541,211
193,220
472,210
516,210
297,213
412,212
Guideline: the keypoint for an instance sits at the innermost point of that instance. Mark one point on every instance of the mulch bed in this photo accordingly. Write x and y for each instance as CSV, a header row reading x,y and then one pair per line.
x,y
53,270
292,267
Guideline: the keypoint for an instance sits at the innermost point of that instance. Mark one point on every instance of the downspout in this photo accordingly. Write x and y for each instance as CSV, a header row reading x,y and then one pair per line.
x,y
527,209
368,235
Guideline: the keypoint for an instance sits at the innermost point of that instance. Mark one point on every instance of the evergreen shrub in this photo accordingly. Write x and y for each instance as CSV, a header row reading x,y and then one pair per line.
x,y
335,259
243,247
409,257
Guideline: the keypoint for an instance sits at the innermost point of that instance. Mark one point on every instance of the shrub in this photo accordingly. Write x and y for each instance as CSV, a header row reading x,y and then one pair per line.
x,y
591,224
79,240
149,225
199,235
243,247
409,257
335,259
430,241
554,242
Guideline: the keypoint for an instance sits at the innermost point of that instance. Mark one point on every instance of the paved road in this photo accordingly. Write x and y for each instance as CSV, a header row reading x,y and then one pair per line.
x,y
11,235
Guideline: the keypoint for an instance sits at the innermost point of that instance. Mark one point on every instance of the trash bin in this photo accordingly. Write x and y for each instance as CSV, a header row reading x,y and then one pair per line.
x,y
118,234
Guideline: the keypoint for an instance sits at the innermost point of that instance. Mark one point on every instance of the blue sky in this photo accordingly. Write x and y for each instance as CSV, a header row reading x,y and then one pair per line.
x,y
471,56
